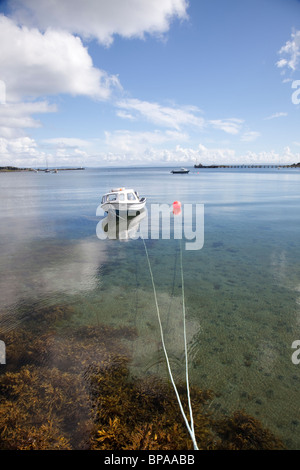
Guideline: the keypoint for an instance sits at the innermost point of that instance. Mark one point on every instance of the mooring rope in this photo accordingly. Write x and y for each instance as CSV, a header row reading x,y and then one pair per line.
x,y
190,427
185,342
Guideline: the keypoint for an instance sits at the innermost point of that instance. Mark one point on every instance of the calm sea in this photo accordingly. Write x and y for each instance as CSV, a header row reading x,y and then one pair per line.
x,y
242,288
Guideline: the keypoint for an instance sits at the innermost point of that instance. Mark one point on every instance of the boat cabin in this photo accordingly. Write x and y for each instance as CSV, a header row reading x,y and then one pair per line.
x,y
120,195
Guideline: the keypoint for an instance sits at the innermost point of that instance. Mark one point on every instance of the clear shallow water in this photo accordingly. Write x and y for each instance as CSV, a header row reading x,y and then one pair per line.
x,y
242,289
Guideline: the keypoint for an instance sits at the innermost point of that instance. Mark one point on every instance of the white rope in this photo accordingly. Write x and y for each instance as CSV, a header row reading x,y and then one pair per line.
x,y
185,343
190,428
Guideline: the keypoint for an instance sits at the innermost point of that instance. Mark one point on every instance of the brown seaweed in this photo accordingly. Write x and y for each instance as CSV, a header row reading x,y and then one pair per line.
x,y
243,432
70,388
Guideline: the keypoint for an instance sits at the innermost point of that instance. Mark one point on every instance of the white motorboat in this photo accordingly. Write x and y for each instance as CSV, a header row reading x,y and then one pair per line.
x,y
122,200
182,170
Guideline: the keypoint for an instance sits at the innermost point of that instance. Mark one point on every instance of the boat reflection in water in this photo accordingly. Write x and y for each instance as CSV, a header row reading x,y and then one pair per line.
x,y
122,226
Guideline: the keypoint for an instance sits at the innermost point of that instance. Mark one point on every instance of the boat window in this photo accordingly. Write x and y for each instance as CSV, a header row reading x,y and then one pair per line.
x,y
121,197
112,197
131,197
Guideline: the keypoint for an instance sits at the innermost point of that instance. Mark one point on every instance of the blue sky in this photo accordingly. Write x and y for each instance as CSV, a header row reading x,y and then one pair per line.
x,y
160,82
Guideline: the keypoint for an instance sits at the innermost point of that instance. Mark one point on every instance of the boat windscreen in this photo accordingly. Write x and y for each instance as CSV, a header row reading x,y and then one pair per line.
x,y
131,197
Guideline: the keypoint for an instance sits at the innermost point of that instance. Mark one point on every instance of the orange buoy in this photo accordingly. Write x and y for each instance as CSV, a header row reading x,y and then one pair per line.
x,y
176,207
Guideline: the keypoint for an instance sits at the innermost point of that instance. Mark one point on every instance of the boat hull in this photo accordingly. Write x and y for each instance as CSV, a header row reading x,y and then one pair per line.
x,y
124,206
122,228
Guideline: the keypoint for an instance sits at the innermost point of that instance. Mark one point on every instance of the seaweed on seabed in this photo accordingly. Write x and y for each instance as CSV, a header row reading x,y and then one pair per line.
x,y
31,406
43,397
243,432
25,347
142,414
43,403
84,398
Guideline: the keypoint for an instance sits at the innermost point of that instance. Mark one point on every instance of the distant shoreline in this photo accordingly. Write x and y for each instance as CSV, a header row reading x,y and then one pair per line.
x,y
13,169
292,165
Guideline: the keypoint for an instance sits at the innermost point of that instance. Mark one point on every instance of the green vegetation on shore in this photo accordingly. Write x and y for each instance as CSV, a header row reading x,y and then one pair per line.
x,y
6,169
13,168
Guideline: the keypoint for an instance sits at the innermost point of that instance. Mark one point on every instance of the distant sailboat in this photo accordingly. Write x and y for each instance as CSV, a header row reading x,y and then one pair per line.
x,y
47,169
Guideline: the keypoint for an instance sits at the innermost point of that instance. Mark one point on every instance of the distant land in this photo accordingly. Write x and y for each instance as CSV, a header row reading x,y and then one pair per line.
x,y
47,170
7,169
293,165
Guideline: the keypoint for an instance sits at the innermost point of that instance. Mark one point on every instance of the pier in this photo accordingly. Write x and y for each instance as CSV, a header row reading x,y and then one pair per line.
x,y
294,165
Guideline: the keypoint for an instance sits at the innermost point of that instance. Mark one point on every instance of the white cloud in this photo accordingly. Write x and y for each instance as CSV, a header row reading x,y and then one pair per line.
x,y
200,154
67,148
290,53
172,117
250,136
281,63
15,117
65,142
35,64
23,151
101,19
230,126
234,126
126,142
275,115
26,152
125,115
124,147
219,156
131,148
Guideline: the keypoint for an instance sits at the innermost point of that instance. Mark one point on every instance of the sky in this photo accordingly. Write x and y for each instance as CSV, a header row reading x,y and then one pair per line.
x,y
101,83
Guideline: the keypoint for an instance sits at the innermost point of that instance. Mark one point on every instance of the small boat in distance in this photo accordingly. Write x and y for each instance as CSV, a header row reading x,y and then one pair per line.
x,y
182,170
122,200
